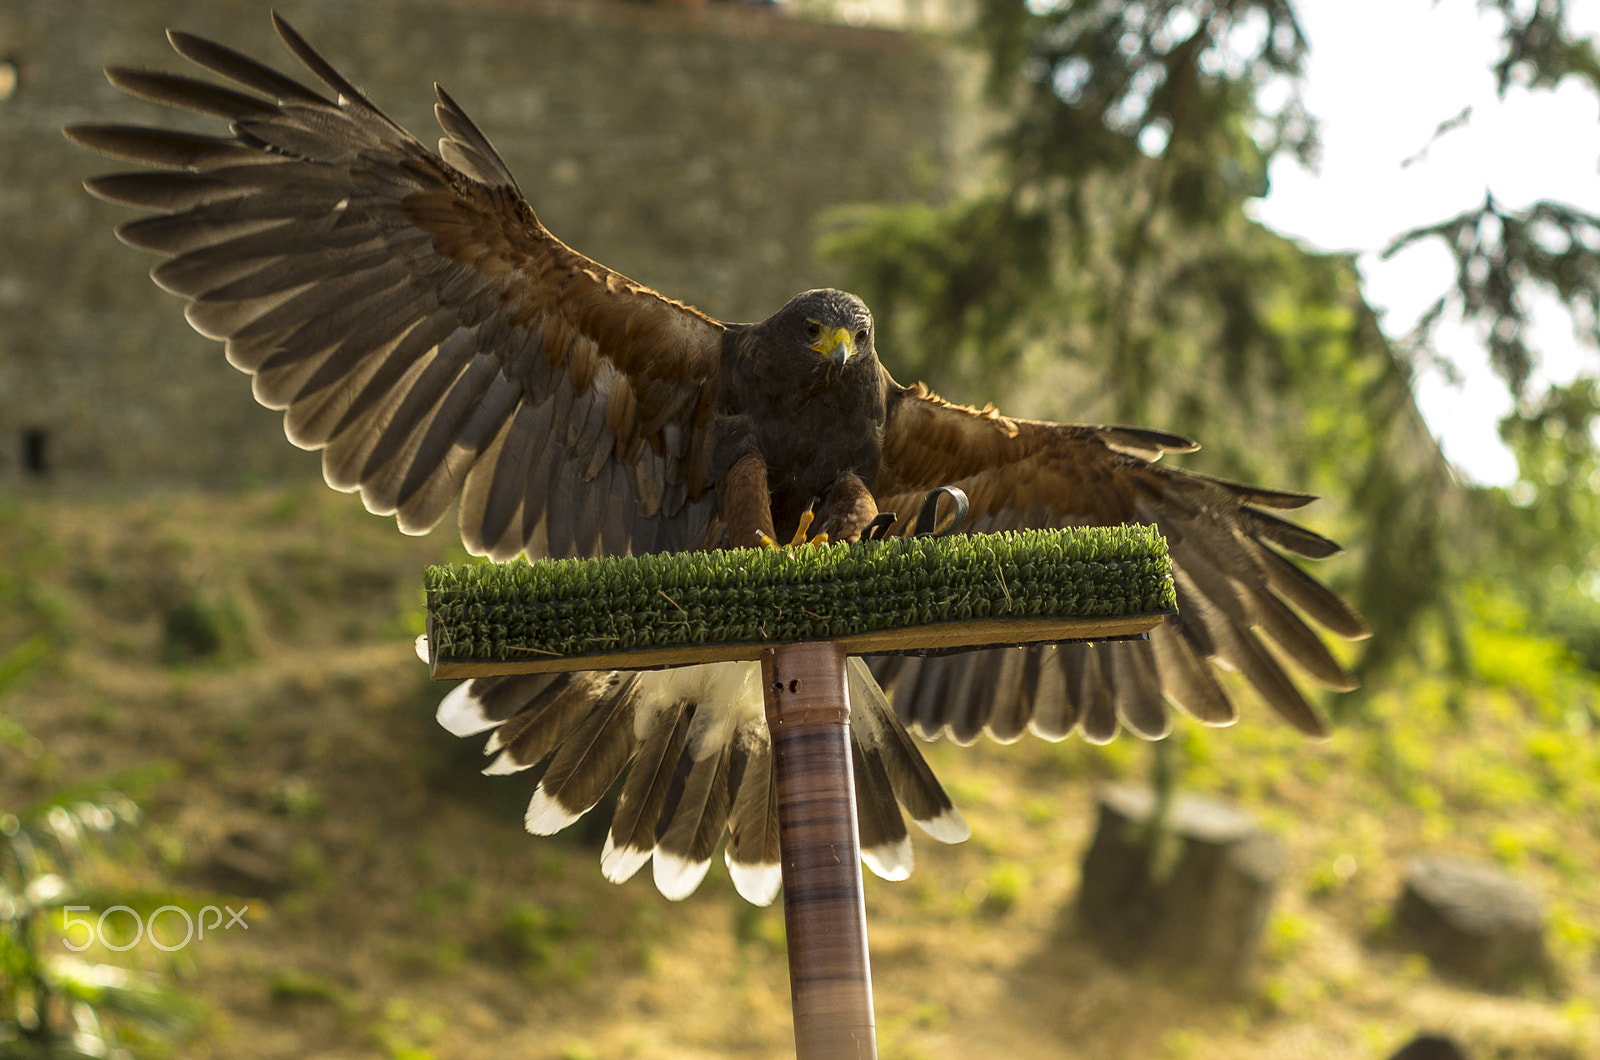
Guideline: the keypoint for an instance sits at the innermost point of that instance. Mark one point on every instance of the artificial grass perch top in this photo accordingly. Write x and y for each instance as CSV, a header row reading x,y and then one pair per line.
x,y
900,594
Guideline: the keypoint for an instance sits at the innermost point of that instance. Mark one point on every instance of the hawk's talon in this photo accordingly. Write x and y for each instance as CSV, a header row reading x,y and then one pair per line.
x,y
878,529
800,537
806,518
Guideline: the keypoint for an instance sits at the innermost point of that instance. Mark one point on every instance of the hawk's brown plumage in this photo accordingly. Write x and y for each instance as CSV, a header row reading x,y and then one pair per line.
x,y
417,323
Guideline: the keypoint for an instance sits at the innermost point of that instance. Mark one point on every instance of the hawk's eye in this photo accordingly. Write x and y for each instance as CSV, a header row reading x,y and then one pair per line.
x,y
813,329
861,336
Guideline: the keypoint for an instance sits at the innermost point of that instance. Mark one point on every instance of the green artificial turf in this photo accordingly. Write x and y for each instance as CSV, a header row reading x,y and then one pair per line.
x,y
580,607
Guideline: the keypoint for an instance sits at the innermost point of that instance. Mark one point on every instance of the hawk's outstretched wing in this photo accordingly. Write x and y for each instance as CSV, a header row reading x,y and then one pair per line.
x,y
1233,583
420,326
414,319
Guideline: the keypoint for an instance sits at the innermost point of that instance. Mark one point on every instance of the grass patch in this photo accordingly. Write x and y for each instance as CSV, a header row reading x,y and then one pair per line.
x,y
581,607
320,737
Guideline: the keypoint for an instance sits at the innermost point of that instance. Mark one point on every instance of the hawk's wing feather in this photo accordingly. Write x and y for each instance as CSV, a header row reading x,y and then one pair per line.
x,y
1234,586
413,318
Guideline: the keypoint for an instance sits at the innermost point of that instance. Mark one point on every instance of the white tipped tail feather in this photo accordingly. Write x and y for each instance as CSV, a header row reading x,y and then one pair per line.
x,y
693,746
461,713
756,883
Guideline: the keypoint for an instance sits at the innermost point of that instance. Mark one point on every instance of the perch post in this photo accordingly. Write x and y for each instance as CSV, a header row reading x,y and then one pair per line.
x,y
824,912
800,614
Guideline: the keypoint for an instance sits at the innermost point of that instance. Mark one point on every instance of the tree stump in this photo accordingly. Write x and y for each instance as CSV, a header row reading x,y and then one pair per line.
x,y
1474,923
1194,894
1430,1047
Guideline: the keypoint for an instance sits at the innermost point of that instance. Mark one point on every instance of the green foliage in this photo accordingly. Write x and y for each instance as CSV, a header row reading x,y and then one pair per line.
x,y
1501,254
548,942
1546,551
1540,49
1133,129
1504,259
14,666
193,631
24,599
961,286
757,925
292,985
405,1033
1112,264
294,797
1169,79
54,855
1003,886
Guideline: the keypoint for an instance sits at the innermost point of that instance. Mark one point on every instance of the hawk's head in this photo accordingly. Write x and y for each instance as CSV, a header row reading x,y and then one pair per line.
x,y
834,326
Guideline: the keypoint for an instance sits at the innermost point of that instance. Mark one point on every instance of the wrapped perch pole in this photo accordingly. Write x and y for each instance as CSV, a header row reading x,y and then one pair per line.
x,y
800,613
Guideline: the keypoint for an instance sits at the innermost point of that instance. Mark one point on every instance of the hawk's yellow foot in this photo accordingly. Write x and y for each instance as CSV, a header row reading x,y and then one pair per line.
x,y
807,517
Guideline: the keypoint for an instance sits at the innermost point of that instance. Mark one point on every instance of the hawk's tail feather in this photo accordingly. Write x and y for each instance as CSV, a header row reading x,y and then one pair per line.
x,y
633,828
874,726
1055,714
1188,681
692,820
699,759
752,853
1139,701
1005,672
590,761
544,723
1052,691
885,844
461,713
475,706
756,882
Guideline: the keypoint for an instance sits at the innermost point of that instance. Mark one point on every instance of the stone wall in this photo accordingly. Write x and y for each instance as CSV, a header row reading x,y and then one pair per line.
x,y
695,149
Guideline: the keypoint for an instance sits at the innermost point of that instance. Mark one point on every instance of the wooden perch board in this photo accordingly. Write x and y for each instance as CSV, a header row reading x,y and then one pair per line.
x,y
903,595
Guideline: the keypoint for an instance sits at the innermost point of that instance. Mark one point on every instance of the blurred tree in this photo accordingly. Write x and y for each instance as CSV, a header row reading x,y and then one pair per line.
x,y
1110,260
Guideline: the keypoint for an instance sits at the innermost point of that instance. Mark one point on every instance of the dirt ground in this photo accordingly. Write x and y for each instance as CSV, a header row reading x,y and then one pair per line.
x,y
260,645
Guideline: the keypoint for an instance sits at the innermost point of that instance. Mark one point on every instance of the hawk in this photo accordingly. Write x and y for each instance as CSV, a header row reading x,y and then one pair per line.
x,y
416,323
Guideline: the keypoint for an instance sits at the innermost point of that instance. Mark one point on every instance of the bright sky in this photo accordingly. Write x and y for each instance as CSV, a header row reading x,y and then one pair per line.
x,y
1383,75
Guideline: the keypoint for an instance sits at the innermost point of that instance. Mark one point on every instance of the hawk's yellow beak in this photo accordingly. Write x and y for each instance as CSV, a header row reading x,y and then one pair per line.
x,y
836,346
